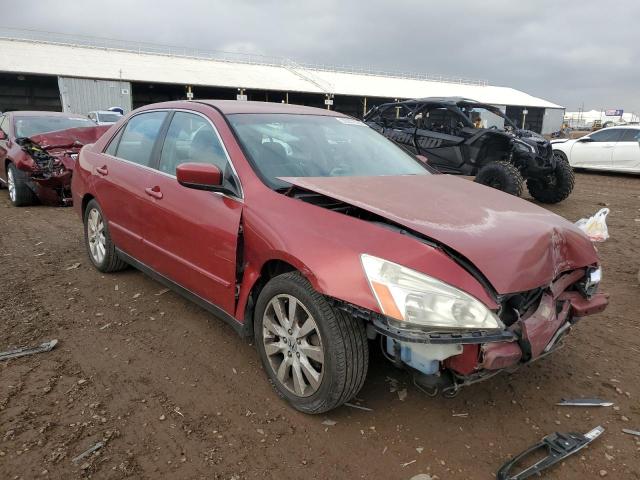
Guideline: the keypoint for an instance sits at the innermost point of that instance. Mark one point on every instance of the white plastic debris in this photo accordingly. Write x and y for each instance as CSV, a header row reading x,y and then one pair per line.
x,y
595,227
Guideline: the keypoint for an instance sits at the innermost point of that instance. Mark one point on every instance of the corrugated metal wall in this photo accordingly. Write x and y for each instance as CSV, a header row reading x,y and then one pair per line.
x,y
83,95
552,122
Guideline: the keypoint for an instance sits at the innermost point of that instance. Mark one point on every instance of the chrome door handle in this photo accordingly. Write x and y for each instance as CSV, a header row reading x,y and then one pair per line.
x,y
153,192
102,170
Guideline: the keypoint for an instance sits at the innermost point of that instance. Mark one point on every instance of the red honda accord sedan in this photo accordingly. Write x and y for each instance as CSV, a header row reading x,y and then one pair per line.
x,y
321,238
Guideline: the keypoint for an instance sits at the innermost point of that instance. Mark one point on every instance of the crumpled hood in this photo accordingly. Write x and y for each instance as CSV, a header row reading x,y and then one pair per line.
x,y
72,137
517,245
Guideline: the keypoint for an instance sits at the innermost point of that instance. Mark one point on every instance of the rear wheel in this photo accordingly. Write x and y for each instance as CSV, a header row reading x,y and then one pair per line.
x,y
315,355
556,186
502,176
100,247
19,192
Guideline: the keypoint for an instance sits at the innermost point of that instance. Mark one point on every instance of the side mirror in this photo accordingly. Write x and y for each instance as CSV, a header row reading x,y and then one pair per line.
x,y
200,176
423,159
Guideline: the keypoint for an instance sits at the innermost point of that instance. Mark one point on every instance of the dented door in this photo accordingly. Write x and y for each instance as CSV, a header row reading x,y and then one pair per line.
x,y
193,234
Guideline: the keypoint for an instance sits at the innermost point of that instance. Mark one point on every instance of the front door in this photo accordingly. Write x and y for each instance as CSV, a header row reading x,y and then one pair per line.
x,y
595,150
193,234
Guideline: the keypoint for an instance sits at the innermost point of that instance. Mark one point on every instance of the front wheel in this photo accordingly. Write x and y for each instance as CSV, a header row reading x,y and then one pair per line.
x,y
501,175
101,249
19,192
315,355
556,186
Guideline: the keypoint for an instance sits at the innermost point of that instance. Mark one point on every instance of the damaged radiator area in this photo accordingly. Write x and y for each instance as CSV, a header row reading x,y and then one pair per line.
x,y
52,170
52,158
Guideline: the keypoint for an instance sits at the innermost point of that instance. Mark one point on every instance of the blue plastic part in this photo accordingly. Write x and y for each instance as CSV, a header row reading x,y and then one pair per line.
x,y
413,358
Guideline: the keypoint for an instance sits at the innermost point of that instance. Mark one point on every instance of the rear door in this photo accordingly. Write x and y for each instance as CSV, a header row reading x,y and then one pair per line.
x,y
193,234
626,153
595,150
439,137
4,127
121,174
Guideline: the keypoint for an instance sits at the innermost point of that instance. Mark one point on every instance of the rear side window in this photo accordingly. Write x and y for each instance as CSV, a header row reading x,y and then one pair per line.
x,y
139,136
630,135
113,145
606,135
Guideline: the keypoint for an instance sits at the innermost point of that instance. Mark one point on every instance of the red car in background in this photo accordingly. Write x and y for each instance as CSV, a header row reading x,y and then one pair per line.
x,y
38,152
320,237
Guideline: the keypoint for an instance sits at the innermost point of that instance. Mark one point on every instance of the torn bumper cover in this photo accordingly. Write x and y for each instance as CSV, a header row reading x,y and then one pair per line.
x,y
50,159
536,332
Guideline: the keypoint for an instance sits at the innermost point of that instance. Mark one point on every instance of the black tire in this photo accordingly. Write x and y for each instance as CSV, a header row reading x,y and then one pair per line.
x,y
343,341
22,195
555,187
109,262
501,175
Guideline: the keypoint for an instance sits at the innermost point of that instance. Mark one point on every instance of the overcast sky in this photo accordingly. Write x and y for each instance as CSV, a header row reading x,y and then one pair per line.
x,y
569,52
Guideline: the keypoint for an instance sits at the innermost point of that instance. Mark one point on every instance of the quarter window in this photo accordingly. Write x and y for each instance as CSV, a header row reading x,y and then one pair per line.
x,y
191,138
139,136
630,135
4,124
606,135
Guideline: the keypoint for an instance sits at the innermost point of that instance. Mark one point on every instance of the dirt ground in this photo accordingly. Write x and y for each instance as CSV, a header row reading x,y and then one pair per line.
x,y
174,393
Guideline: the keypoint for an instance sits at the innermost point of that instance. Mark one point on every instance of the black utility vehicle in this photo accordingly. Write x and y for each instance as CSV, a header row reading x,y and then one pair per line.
x,y
465,137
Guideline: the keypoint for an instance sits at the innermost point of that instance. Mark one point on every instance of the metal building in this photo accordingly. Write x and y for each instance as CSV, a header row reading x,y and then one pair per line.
x,y
94,74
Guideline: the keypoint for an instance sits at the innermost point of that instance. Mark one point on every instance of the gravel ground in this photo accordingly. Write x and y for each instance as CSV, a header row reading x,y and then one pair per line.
x,y
174,393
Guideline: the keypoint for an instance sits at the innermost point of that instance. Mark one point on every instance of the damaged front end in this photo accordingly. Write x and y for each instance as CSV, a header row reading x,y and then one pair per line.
x,y
49,160
532,153
533,326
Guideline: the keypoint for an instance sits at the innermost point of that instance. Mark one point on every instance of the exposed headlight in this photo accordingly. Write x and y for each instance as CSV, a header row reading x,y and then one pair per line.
x,y
592,281
524,147
416,298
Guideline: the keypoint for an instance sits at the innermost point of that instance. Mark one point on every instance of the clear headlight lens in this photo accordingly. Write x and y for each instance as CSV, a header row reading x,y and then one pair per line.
x,y
416,298
524,146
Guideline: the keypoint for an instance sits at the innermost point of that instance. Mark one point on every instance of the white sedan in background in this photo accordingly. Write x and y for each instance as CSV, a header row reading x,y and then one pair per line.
x,y
615,148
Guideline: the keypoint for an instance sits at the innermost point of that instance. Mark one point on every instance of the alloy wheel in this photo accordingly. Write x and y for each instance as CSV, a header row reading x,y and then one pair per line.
x,y
95,236
293,345
11,184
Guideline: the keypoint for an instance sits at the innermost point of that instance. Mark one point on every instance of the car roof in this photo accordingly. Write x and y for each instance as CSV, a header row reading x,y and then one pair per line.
x,y
626,127
230,107
35,113
104,111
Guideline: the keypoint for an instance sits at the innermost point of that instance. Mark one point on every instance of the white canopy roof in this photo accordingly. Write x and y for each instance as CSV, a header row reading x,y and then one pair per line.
x,y
33,57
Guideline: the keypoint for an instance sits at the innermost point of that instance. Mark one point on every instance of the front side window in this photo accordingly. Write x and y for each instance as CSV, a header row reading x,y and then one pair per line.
x,y
286,145
139,136
30,126
191,138
606,135
630,135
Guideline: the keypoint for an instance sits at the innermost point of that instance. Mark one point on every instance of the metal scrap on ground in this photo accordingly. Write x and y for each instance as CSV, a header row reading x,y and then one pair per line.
x,y
366,409
631,432
88,452
557,447
584,402
23,352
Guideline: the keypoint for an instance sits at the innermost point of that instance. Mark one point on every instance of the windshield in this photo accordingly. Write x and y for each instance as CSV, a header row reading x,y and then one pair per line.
x,y
482,117
108,117
285,145
30,126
